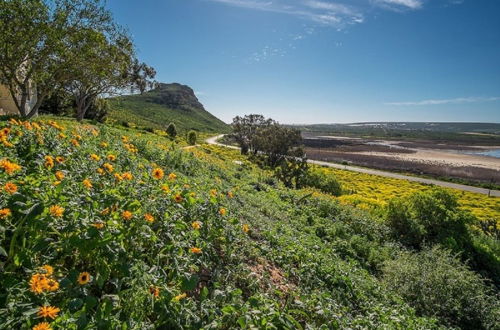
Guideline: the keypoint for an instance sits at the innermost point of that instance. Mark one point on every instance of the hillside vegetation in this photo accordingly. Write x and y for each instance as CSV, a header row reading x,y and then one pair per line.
x,y
104,228
168,103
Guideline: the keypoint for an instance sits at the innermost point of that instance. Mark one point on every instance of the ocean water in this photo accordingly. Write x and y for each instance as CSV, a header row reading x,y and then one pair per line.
x,y
492,153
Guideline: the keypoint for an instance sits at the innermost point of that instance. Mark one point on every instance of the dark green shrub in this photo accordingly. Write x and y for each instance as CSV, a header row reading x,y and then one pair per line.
x,y
326,183
171,130
431,216
191,138
436,283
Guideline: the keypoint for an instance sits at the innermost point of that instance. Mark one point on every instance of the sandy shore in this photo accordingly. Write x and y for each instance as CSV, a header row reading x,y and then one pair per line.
x,y
440,157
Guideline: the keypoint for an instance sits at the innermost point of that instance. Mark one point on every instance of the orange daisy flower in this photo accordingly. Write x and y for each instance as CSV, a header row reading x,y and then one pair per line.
x,y
4,213
157,173
127,215
56,211
195,250
48,312
10,187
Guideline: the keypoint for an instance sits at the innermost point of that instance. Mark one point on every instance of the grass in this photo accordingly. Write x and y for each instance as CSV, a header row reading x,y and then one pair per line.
x,y
139,233
135,109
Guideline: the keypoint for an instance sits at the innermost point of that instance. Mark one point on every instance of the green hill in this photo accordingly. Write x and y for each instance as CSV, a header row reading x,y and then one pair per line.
x,y
167,103
109,228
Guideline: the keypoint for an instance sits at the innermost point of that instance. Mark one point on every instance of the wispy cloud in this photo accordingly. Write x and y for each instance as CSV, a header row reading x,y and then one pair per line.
x,y
399,5
337,13
322,12
460,100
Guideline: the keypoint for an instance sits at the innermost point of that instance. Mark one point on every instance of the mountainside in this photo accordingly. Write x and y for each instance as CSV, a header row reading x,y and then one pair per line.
x,y
103,227
165,104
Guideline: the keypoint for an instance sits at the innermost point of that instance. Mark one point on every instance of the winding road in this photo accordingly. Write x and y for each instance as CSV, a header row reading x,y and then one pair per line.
x,y
496,193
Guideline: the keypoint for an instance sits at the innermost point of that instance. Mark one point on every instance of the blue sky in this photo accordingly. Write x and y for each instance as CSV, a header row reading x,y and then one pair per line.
x,y
322,61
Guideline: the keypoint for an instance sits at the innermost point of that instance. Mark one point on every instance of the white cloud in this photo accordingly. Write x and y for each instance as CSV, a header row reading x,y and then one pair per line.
x,y
460,100
327,13
399,4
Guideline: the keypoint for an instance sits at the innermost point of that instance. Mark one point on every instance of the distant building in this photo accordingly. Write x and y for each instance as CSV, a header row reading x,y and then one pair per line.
x,y
7,105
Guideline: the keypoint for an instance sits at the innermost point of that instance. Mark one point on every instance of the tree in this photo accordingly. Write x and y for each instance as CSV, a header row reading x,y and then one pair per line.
x,y
27,44
102,68
245,129
278,142
39,45
191,137
141,76
171,130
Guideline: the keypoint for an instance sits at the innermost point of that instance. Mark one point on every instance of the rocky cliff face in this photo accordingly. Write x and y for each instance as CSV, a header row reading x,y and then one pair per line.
x,y
175,96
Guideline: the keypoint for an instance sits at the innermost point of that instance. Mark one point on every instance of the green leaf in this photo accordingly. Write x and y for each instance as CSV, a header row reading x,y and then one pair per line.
x,y
204,293
190,283
90,302
75,304
3,252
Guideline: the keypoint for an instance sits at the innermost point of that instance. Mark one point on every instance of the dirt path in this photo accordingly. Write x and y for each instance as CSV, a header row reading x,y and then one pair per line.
x,y
496,193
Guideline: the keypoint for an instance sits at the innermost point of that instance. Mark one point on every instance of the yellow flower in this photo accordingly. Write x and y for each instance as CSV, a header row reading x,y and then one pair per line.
x,y
4,213
104,145
62,136
178,198
127,215
124,139
172,176
52,285
118,177
9,167
111,157
196,225
60,159
10,187
195,250
49,270
180,297
155,291
48,311
38,283
127,176
230,194
157,173
42,326
222,211
56,183
98,225
165,189
95,157
149,217
100,171
49,162
246,228
213,192
83,278
59,175
108,167
75,142
56,211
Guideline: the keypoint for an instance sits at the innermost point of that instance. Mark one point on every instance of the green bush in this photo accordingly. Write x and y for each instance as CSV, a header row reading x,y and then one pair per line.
x,y
437,284
432,216
323,182
171,130
191,138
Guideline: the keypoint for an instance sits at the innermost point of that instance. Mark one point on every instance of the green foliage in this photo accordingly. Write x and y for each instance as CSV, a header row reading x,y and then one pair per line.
x,y
292,171
436,283
191,137
326,183
271,257
171,130
150,111
431,217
